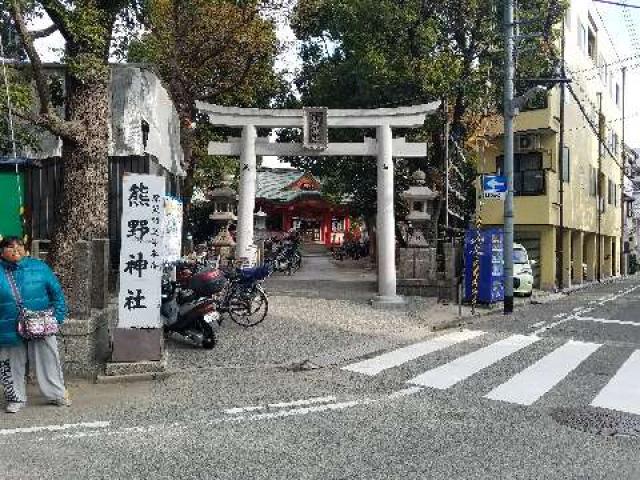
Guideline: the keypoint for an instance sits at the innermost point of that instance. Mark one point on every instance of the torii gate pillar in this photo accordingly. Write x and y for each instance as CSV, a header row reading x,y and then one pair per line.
x,y
385,220
247,192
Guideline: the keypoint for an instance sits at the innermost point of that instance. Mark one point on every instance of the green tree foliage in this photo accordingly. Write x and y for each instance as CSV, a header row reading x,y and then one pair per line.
x,y
382,53
218,51
87,27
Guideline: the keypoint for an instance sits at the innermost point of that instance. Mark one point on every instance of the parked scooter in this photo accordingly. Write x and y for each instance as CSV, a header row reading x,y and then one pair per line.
x,y
191,311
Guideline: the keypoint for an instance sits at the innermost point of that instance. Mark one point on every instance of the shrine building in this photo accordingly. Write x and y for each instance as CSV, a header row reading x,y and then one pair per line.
x,y
292,198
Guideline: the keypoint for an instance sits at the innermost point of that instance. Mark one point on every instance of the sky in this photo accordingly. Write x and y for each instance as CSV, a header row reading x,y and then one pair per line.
x,y
625,46
50,49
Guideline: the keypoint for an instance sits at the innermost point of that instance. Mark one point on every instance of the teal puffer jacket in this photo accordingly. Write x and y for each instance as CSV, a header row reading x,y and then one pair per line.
x,y
39,288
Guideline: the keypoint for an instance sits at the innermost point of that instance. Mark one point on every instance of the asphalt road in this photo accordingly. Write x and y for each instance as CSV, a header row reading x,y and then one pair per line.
x,y
551,393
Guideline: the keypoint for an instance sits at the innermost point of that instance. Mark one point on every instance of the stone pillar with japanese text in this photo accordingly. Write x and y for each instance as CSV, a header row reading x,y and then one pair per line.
x,y
138,334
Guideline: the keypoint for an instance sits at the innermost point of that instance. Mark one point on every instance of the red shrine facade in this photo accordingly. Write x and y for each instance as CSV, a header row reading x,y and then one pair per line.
x,y
292,199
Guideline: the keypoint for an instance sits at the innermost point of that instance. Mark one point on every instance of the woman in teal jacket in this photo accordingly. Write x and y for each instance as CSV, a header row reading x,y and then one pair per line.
x,y
39,290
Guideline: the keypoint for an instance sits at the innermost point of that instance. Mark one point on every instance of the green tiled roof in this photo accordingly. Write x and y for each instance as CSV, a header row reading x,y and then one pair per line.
x,y
272,184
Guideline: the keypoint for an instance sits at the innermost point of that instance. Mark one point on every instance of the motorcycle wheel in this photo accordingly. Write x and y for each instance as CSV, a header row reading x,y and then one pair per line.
x,y
249,312
208,335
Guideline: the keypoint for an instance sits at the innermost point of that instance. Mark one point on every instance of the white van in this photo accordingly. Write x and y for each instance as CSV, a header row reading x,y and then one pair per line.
x,y
522,271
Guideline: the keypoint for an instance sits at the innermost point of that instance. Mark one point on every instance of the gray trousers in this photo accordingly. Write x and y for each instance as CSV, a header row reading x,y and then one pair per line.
x,y
44,361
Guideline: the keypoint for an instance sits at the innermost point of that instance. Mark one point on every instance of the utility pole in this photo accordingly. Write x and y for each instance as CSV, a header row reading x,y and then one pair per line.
x,y
446,163
599,190
508,155
623,264
561,172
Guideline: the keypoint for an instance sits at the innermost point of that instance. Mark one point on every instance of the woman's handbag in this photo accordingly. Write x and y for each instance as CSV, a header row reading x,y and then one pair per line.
x,y
32,324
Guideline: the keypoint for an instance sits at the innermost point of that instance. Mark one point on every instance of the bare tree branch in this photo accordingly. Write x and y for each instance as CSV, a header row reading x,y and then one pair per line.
x,y
71,131
34,57
45,32
56,12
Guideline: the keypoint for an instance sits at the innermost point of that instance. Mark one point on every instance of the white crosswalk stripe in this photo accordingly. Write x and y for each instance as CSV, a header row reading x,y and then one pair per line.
x,y
395,358
530,384
453,372
622,393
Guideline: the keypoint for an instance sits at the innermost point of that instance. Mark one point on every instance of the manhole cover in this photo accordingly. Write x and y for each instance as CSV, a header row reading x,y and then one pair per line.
x,y
598,422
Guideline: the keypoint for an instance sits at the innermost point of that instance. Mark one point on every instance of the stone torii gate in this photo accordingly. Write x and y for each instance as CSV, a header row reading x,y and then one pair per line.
x,y
315,123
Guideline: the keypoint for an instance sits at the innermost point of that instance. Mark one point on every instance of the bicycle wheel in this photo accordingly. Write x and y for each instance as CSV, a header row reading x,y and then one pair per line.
x,y
296,262
249,308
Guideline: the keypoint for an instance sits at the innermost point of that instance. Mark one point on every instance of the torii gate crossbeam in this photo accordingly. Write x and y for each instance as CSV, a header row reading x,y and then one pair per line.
x,y
384,148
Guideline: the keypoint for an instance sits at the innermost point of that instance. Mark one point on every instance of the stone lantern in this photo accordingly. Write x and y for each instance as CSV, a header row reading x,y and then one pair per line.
x,y
224,199
260,221
420,199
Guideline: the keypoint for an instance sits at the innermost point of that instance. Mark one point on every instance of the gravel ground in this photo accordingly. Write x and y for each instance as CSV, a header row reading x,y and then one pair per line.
x,y
299,329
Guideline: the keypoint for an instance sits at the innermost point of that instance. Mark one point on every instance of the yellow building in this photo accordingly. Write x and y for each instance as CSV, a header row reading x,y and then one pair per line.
x,y
591,188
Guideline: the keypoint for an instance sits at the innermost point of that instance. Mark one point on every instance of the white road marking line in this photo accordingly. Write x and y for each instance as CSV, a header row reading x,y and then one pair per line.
x,y
404,392
606,320
533,382
53,428
621,294
173,428
538,324
553,325
622,393
453,372
375,365
578,311
294,403
298,411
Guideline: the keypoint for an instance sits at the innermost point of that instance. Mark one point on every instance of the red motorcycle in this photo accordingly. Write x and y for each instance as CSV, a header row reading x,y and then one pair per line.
x,y
188,307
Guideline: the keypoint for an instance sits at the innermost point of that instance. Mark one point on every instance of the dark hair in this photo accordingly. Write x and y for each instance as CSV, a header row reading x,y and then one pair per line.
x,y
8,241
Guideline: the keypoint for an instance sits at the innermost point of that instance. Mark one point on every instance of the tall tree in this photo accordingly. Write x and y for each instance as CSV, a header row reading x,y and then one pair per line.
x,y
376,53
87,27
219,51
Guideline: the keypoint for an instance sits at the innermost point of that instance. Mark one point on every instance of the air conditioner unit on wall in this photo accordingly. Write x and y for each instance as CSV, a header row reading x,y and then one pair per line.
x,y
527,142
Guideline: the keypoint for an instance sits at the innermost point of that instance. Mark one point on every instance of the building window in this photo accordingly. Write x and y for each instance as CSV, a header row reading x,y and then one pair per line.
x,y
611,192
582,37
528,175
592,50
603,70
566,165
593,182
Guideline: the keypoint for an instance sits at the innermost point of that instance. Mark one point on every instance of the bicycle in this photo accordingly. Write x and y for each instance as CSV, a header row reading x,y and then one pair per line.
x,y
243,297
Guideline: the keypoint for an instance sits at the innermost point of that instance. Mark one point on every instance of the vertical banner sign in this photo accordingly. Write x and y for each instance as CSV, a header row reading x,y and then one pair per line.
x,y
172,230
141,251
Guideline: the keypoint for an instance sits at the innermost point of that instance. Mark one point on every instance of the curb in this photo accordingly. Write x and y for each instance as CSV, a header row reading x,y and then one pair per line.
x,y
132,377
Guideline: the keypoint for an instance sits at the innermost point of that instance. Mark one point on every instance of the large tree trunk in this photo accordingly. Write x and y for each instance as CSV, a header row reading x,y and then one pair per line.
x,y
84,212
187,140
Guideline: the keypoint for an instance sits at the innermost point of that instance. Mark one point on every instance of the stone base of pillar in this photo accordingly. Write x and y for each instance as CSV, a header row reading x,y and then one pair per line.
x,y
388,301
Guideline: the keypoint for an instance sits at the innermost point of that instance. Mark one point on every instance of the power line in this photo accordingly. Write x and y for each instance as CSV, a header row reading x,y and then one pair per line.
x,y
604,25
617,4
609,64
593,127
